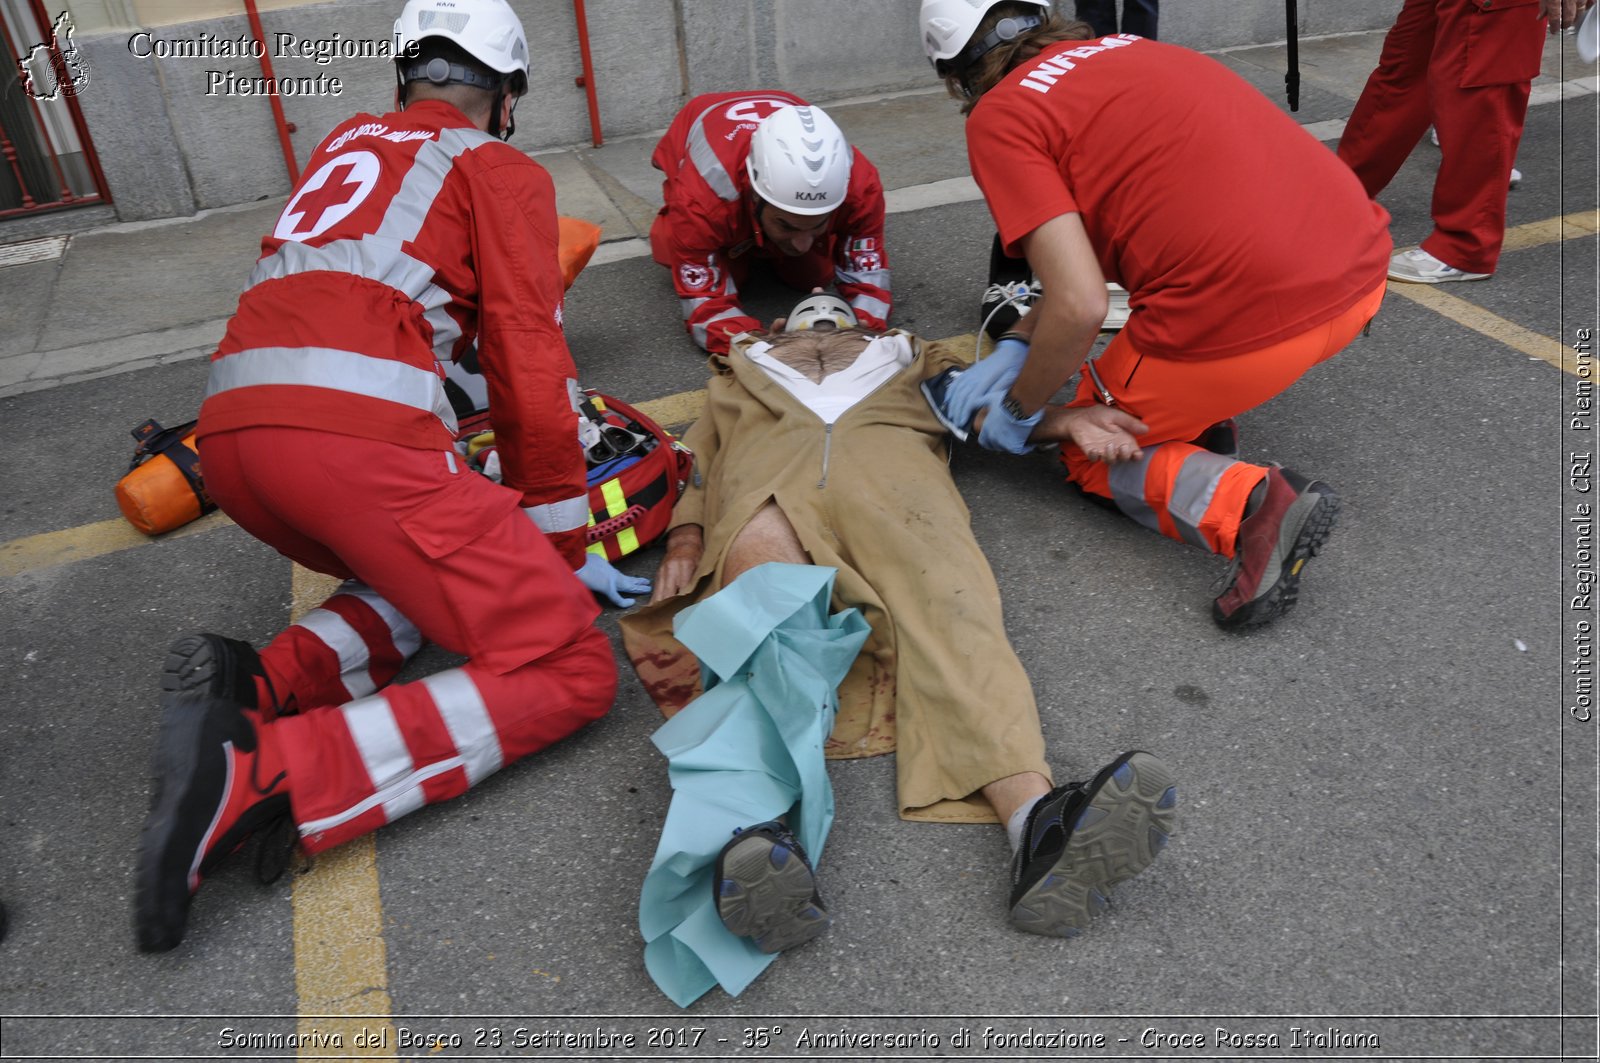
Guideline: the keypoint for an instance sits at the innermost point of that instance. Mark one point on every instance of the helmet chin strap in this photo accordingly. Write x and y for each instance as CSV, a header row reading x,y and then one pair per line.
x,y
756,202
511,119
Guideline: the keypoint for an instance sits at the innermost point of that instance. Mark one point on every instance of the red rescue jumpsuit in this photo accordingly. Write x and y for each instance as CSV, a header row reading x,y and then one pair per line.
x,y
1463,66
707,235
326,433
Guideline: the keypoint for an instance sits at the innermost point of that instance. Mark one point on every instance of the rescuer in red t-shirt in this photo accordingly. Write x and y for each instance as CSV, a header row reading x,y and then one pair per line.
x,y
1129,160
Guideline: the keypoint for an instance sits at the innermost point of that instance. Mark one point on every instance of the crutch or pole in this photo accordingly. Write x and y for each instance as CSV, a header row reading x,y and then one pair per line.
x,y
1291,78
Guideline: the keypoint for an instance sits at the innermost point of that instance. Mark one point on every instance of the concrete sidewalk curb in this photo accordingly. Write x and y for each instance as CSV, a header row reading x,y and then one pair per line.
x,y
20,374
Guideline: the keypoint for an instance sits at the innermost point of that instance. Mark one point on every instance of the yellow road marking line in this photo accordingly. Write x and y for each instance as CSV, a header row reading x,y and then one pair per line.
x,y
49,549
674,411
340,956
1497,328
1552,230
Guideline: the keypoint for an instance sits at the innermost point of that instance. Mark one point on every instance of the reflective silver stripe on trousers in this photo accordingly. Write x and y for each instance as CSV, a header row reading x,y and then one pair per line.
x,y
402,632
565,515
698,330
467,719
878,278
396,780
1192,491
336,370
1127,488
705,158
867,304
335,632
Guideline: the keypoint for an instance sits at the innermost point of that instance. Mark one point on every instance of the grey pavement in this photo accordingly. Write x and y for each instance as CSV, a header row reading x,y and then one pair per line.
x,y
1389,814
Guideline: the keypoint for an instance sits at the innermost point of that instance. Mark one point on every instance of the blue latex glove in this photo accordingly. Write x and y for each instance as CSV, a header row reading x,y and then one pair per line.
x,y
987,381
1001,431
599,576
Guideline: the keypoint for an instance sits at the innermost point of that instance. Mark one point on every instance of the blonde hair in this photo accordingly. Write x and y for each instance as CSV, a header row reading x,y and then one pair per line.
x,y
987,72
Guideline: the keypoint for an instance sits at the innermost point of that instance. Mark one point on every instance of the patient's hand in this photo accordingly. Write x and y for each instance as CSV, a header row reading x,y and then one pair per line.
x,y
1101,432
685,546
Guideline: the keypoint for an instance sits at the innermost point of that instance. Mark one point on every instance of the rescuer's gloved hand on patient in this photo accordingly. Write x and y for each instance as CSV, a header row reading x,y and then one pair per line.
x,y
986,382
599,576
1004,430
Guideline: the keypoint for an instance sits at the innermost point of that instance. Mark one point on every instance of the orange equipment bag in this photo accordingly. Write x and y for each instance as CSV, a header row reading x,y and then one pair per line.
x,y
577,241
163,489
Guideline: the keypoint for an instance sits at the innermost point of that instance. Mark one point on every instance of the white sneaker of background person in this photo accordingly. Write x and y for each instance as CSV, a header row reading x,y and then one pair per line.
x,y
1418,267
1516,174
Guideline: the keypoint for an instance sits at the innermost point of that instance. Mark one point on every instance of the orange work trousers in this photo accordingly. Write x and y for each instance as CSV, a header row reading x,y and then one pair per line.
x,y
1178,488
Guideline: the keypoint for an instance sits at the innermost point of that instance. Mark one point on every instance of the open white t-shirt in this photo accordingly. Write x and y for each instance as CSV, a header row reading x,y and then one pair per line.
x,y
879,360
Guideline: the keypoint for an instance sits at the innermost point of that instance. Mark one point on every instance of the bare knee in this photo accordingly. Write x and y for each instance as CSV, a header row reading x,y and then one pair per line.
x,y
768,536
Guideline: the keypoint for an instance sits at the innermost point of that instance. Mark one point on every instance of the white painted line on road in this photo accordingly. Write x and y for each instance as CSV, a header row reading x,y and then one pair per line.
x,y
1332,129
895,200
1556,91
619,250
933,194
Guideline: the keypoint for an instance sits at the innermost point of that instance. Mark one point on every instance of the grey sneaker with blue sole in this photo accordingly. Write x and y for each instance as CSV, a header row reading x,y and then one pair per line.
x,y
1082,839
766,889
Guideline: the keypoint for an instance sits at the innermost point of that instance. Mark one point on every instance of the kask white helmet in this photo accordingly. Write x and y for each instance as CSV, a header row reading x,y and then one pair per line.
x,y
948,26
799,161
487,30
820,311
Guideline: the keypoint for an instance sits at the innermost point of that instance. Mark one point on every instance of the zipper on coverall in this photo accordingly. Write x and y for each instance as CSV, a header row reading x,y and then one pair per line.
x,y
827,444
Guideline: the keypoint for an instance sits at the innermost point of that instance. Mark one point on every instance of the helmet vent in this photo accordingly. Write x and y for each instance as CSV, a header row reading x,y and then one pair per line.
x,y
453,21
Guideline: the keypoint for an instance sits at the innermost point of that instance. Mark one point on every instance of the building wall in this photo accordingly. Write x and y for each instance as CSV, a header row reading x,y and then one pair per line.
x,y
175,134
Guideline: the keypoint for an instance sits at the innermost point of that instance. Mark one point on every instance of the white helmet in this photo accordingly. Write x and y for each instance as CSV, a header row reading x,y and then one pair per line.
x,y
948,26
821,312
799,161
487,30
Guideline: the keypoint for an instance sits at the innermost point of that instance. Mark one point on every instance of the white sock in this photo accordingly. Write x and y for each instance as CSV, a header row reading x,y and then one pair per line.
x,y
1019,820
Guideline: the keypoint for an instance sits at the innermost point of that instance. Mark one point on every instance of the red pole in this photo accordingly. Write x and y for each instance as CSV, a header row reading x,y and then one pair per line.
x,y
587,80
272,97
85,144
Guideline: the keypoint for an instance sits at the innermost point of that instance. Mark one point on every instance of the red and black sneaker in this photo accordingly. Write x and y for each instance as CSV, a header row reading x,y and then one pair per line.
x,y
211,664
1288,528
209,798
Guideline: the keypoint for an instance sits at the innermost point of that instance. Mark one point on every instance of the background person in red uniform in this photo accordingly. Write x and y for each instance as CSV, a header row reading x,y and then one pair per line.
x,y
1153,166
1465,67
326,433
765,176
